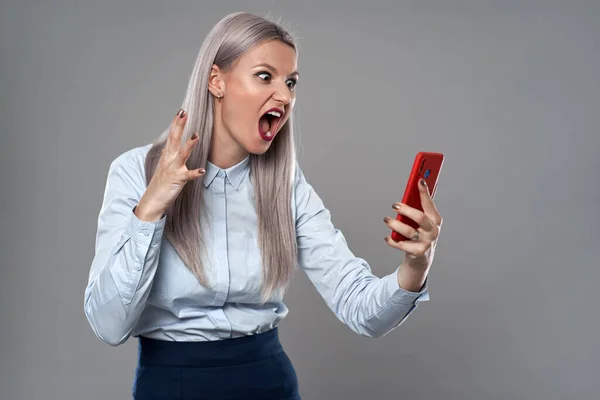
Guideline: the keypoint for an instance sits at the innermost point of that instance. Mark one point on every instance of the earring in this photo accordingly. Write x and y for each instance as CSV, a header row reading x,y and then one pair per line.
x,y
219,95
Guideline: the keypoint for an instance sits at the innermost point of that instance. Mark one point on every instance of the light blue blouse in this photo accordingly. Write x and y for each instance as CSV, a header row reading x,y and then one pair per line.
x,y
138,285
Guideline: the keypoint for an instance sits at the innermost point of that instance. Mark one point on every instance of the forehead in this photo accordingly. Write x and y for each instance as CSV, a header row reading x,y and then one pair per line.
x,y
274,52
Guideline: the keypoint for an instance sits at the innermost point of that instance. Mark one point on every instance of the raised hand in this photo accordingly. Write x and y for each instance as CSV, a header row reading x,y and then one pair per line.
x,y
171,172
419,250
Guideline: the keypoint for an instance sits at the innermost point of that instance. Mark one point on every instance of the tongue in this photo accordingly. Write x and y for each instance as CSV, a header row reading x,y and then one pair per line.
x,y
264,124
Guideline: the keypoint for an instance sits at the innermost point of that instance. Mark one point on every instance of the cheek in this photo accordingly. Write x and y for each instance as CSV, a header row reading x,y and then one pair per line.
x,y
244,102
289,111
285,121
240,111
244,93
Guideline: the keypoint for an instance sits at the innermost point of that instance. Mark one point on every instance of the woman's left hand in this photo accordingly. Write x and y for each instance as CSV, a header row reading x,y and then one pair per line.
x,y
420,248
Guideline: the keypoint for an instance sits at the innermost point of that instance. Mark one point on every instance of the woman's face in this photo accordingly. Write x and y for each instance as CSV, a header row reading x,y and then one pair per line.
x,y
261,81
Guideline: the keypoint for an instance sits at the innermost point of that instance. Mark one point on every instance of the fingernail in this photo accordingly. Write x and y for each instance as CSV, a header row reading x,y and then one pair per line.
x,y
181,113
422,181
396,207
201,170
386,219
194,136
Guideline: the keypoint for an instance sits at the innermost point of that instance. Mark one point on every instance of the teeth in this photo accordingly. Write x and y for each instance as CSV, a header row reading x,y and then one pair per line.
x,y
275,114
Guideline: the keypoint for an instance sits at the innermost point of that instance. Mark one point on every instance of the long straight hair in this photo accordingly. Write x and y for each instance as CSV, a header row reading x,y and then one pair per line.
x,y
272,173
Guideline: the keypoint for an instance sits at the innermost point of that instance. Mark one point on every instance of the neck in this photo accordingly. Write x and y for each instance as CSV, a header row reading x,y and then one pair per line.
x,y
223,159
225,151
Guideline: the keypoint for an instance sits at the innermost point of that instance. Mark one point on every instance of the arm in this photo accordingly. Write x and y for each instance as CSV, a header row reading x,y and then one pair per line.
x,y
126,255
368,305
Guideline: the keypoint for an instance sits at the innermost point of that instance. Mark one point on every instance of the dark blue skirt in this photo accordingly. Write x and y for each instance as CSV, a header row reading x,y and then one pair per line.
x,y
250,367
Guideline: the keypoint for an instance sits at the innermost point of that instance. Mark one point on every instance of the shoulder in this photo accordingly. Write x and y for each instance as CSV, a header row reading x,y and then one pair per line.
x,y
304,191
132,157
132,160
299,177
128,166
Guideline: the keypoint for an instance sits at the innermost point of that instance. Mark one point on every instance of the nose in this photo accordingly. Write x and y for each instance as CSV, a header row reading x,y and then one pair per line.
x,y
282,94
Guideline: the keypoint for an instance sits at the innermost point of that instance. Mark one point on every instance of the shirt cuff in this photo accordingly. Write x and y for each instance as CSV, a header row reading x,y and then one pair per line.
x,y
146,230
402,296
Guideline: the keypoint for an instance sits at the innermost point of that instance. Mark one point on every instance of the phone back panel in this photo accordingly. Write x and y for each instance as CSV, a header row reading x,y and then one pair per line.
x,y
427,165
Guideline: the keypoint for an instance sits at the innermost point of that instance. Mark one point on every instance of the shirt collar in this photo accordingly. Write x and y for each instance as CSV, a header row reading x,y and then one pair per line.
x,y
234,175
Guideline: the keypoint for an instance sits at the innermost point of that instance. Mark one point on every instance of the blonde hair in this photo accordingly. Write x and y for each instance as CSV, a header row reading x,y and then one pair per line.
x,y
272,173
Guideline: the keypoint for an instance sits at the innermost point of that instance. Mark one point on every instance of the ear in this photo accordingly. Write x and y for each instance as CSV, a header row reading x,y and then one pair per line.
x,y
216,82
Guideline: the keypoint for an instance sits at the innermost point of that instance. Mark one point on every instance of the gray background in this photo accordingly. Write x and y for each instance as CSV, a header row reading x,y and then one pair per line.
x,y
508,90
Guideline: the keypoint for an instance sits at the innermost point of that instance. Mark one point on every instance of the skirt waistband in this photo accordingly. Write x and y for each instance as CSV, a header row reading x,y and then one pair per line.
x,y
209,353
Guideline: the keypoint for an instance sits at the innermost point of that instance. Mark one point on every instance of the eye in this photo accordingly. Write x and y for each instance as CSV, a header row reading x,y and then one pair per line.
x,y
268,76
291,83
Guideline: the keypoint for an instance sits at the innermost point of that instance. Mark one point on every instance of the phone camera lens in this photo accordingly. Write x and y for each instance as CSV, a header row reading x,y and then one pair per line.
x,y
427,173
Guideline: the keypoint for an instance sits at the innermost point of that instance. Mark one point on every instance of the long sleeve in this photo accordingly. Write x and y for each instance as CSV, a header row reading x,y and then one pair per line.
x,y
126,255
369,305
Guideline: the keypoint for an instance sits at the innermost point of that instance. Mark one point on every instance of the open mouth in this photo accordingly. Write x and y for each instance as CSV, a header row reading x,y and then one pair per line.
x,y
268,123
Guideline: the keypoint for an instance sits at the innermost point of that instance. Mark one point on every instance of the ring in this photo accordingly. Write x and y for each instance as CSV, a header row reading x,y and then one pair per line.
x,y
415,236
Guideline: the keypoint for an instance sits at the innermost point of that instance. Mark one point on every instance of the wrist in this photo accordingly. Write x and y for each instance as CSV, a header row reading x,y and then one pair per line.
x,y
410,278
148,213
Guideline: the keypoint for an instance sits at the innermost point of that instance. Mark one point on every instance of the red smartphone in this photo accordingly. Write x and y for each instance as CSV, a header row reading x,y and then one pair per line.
x,y
427,165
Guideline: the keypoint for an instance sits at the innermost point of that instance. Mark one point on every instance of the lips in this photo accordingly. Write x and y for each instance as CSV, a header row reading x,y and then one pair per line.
x,y
269,122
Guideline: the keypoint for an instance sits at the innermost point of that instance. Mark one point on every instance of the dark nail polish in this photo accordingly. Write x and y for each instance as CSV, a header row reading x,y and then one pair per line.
x,y
194,136
181,113
422,182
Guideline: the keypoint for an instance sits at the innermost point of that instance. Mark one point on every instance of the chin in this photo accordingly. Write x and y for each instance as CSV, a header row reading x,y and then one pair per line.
x,y
259,146
258,150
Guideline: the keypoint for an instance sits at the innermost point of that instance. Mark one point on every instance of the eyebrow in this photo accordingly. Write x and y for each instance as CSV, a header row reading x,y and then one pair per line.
x,y
272,68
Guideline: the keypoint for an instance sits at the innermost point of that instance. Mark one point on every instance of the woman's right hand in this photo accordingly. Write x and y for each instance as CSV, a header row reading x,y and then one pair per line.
x,y
171,172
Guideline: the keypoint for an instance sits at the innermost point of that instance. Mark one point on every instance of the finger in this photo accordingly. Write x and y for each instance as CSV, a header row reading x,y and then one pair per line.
x,y
184,154
429,207
174,140
417,249
416,215
400,227
195,173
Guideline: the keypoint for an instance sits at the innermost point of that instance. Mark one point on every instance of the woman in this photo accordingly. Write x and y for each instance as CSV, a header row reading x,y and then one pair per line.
x,y
196,268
